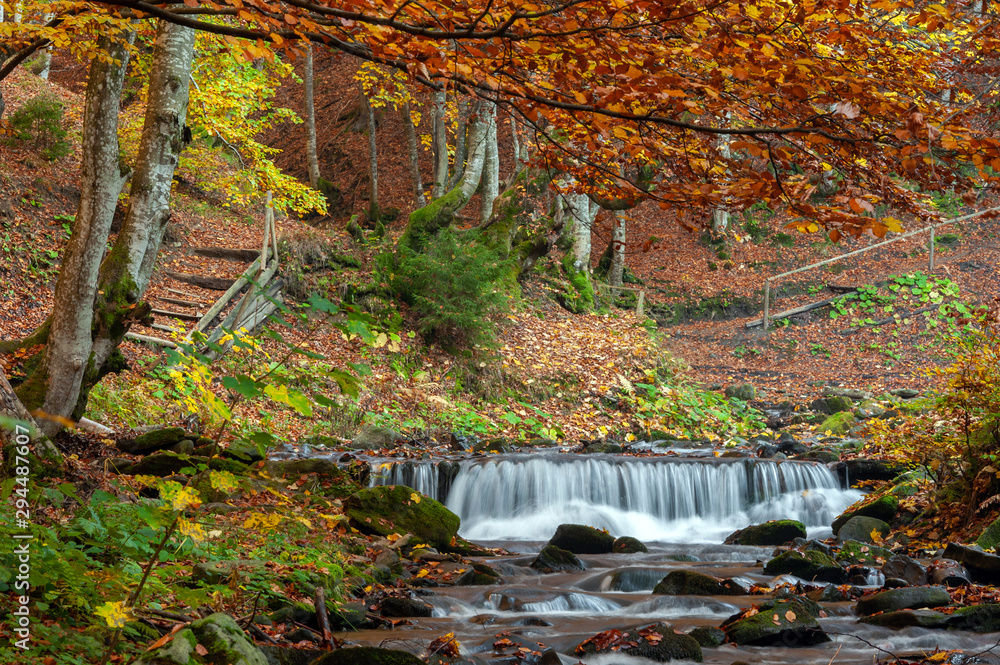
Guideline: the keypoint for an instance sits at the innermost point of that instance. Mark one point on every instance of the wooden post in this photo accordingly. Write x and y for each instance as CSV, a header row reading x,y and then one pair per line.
x,y
639,302
931,251
767,300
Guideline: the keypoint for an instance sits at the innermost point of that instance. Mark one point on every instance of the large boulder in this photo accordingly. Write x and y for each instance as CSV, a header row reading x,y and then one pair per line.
x,y
857,470
787,622
368,656
372,438
832,404
983,618
810,565
902,567
989,539
905,598
628,545
392,606
398,509
580,539
553,560
907,619
882,508
222,639
984,568
860,529
657,642
743,391
156,439
839,424
860,554
691,583
775,532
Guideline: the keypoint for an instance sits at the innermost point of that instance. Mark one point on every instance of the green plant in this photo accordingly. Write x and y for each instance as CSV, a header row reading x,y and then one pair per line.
x,y
41,120
741,351
818,349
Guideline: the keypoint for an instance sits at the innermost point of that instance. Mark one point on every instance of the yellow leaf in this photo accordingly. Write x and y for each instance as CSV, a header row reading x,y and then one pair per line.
x,y
423,572
415,497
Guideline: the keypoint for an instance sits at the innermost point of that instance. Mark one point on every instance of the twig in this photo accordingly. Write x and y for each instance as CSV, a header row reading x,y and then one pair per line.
x,y
173,616
253,613
253,628
319,600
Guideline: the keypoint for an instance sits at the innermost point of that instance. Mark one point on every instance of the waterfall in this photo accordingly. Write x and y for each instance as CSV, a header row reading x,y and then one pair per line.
x,y
525,497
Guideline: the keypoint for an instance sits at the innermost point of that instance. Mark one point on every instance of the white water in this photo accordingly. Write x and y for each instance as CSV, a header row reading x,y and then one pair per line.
x,y
653,499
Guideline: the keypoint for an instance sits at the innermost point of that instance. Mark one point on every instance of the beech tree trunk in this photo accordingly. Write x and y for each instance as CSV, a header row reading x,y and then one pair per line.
x,y
719,215
55,387
373,209
126,272
617,270
461,142
411,147
582,212
46,54
439,144
311,158
491,164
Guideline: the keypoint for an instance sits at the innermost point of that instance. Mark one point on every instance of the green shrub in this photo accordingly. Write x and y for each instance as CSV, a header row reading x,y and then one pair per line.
x,y
455,286
41,120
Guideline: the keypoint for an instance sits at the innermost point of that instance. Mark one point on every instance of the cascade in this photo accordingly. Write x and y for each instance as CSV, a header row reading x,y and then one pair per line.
x,y
525,497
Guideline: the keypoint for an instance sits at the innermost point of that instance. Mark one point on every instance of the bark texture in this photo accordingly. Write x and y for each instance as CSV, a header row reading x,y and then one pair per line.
x,y
311,157
439,144
414,154
617,270
373,209
490,180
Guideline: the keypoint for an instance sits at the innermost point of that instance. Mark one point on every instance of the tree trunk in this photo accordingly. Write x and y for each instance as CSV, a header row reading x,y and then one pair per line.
x,y
55,386
461,142
126,272
582,212
491,164
311,157
617,252
46,54
719,216
373,209
440,144
411,147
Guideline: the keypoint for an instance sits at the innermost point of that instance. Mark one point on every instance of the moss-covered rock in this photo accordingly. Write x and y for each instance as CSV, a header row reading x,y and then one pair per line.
x,y
839,424
775,532
832,404
862,554
392,606
788,622
398,509
477,574
809,565
368,656
223,641
905,598
990,537
742,391
579,294
708,636
861,528
162,465
581,539
882,508
628,545
218,572
983,618
907,619
691,583
372,438
665,645
154,440
553,559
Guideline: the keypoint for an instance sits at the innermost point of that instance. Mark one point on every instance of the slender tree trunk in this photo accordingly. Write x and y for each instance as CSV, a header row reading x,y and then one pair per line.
x,y
617,252
491,164
373,209
56,386
582,212
719,215
46,53
311,156
440,144
411,147
461,142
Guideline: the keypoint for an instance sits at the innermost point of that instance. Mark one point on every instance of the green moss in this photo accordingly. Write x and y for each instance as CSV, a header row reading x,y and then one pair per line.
x,y
433,217
579,297
880,507
861,554
398,509
775,532
809,565
838,424
368,656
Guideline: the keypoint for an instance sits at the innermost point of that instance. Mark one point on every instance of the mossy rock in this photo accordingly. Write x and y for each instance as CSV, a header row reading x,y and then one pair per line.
x,y
553,559
163,464
368,656
218,572
581,539
691,583
478,574
839,424
708,636
882,508
603,447
371,438
908,619
398,509
670,646
223,640
321,466
742,391
862,554
154,440
860,528
775,532
990,537
809,565
628,545
819,455
904,598
392,606
787,622
832,404
983,618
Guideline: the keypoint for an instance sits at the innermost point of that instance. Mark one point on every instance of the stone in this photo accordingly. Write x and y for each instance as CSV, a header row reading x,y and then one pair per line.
x,y
628,545
391,606
819,455
907,619
603,447
542,442
990,537
906,598
243,450
153,440
984,618
792,447
368,656
222,638
580,539
477,574
882,508
858,470
744,392
861,554
947,573
839,424
219,572
775,532
162,464
788,622
851,393
809,565
831,404
372,438
900,566
514,648
553,560
905,393
322,466
278,655
184,447
398,509
869,409
708,636
668,646
983,568
689,583
860,528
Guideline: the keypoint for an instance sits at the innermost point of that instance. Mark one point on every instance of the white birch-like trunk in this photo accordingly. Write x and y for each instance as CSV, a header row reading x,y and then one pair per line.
x,y
461,142
491,164
70,340
617,271
372,155
311,157
46,54
471,177
126,272
411,148
719,215
440,144
582,212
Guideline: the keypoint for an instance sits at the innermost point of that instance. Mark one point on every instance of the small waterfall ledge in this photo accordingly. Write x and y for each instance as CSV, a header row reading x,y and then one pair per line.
x,y
525,497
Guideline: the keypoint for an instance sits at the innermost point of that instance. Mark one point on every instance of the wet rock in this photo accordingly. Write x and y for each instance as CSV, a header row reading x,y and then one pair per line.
x,y
860,528
984,568
513,648
350,616
947,572
819,455
243,450
990,537
542,442
218,634
580,539
278,655
708,636
775,532
218,572
856,470
983,618
628,545
808,565
860,553
681,558
368,656
690,583
398,509
900,566
494,446
477,574
743,391
153,440
854,394
785,622
553,559
183,447
391,606
322,466
301,634
373,438
792,448
882,508
602,447
657,642
907,619
839,424
907,598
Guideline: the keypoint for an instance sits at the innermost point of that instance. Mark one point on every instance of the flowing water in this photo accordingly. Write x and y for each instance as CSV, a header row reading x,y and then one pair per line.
x,y
681,508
